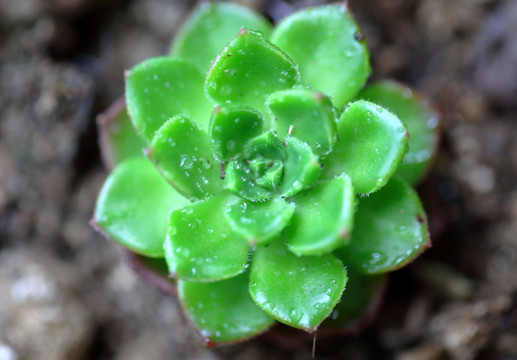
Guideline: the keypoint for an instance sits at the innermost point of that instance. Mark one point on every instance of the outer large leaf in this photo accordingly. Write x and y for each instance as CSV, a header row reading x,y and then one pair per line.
x,y
327,45
390,230
297,291
210,28
223,311
118,138
301,167
159,88
200,246
259,222
133,204
306,115
359,302
182,153
248,70
231,127
323,218
372,142
421,121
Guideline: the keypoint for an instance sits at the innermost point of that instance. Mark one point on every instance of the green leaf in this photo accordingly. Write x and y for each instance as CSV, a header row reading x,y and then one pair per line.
x,y
223,311
133,204
269,174
301,167
118,138
371,144
210,27
231,127
266,146
305,115
421,121
160,88
239,180
323,218
248,70
259,223
182,153
390,230
327,45
201,247
358,302
297,291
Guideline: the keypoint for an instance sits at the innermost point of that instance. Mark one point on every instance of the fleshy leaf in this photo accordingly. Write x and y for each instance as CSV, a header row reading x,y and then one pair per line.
x,y
358,302
182,153
118,138
371,144
390,230
328,46
201,247
305,115
133,204
210,28
421,121
297,291
223,311
248,70
160,88
231,127
301,167
259,222
323,219
238,179
266,146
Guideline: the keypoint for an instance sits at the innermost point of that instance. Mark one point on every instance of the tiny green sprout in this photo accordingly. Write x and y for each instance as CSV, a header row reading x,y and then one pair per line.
x,y
257,168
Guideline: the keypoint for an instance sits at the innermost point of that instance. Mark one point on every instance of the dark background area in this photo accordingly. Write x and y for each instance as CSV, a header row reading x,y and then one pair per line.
x,y
65,292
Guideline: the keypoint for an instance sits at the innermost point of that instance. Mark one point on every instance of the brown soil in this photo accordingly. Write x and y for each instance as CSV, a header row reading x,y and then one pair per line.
x,y
65,291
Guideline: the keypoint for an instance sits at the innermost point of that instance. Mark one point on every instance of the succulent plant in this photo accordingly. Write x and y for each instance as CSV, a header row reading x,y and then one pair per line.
x,y
254,167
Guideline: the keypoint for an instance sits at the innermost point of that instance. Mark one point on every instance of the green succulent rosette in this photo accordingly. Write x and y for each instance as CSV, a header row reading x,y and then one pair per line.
x,y
255,164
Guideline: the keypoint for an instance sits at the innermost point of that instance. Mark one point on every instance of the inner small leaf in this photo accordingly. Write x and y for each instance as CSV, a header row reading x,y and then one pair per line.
x,y
240,181
259,223
305,115
301,167
181,151
231,127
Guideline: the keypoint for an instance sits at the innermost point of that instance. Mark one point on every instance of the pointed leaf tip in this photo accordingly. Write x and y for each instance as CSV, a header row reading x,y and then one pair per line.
x,y
210,27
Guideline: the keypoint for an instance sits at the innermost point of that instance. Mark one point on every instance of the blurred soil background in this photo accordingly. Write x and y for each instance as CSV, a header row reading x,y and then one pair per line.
x,y
65,292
